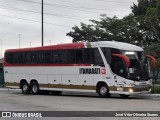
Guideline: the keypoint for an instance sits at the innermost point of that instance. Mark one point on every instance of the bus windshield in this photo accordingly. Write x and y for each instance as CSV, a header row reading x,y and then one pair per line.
x,y
139,67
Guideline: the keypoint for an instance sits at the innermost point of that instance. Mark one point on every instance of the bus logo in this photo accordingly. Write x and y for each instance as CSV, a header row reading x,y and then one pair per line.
x,y
89,71
92,71
103,71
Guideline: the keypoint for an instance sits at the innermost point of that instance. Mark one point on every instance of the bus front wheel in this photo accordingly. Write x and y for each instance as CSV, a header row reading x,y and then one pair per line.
x,y
103,91
25,88
34,88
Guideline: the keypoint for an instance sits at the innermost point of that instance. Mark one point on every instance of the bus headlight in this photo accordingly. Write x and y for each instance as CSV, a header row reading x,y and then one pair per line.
x,y
150,90
130,90
129,53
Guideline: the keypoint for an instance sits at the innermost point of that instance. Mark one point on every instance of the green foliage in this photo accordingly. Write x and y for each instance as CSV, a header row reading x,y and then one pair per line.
x,y
86,32
108,29
148,16
153,50
142,27
143,5
155,89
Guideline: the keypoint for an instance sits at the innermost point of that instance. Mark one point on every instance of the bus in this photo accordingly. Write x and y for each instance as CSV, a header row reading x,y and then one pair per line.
x,y
104,67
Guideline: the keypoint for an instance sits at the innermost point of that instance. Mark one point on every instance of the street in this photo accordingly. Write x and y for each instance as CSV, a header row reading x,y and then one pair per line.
x,y
14,100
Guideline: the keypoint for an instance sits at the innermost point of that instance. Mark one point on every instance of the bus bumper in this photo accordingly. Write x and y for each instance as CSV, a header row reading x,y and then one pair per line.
x,y
131,90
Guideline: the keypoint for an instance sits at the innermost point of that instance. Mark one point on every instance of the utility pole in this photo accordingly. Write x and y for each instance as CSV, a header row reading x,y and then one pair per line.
x,y
42,23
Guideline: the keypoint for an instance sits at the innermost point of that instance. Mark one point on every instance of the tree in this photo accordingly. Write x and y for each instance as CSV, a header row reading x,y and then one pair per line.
x,y
154,50
141,8
85,33
147,13
108,29
141,27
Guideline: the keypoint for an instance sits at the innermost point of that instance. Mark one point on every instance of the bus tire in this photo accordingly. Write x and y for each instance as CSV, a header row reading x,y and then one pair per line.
x,y
35,88
103,91
56,92
25,88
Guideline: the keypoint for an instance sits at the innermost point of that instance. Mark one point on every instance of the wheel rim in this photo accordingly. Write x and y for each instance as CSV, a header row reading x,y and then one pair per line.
x,y
25,88
34,88
103,90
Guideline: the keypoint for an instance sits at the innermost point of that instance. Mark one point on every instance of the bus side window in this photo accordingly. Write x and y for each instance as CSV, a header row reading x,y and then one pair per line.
x,y
47,57
15,58
71,59
107,53
87,56
79,56
21,57
56,56
9,58
63,56
27,57
92,56
33,57
40,57
97,58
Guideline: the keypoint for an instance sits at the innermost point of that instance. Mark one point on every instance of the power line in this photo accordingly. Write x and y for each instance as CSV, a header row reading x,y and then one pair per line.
x,y
50,14
34,20
17,9
57,15
73,7
112,1
77,7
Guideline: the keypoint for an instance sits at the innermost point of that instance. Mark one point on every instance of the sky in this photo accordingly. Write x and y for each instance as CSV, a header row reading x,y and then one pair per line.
x,y
20,20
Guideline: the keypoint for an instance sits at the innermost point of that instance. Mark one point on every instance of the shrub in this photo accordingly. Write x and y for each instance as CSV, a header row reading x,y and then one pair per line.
x,y
156,89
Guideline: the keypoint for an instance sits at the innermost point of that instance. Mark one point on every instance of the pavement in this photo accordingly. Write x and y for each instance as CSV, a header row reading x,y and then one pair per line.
x,y
150,95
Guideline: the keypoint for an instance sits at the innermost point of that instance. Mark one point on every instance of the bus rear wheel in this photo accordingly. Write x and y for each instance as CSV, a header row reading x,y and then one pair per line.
x,y
35,88
103,91
25,88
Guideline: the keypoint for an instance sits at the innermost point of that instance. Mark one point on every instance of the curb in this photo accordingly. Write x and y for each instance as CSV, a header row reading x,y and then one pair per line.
x,y
3,89
8,89
149,95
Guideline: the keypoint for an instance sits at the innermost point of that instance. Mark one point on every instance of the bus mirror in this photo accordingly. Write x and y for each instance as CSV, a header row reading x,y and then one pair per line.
x,y
125,58
153,59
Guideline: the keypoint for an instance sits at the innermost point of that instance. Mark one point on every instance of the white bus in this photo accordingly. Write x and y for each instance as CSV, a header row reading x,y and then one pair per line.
x,y
105,67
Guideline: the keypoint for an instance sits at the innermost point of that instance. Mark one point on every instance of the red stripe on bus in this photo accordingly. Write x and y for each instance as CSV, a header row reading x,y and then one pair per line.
x,y
52,47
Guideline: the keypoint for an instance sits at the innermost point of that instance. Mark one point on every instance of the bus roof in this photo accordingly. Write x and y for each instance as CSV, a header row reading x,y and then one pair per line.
x,y
118,45
109,44
51,47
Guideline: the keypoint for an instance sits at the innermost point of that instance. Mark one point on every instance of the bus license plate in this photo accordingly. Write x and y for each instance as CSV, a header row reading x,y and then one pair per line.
x,y
119,89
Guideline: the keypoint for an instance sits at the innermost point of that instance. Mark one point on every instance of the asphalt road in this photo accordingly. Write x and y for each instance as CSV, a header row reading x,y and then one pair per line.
x,y
14,100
